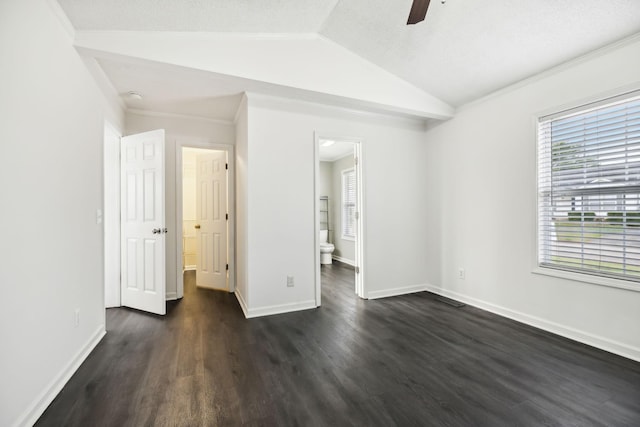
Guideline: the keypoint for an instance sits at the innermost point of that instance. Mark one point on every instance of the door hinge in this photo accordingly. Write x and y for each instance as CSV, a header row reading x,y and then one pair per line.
x,y
227,217
357,270
226,165
355,160
357,215
227,267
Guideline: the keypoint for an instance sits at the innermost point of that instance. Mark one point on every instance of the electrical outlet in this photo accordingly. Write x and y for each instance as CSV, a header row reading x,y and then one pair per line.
x,y
76,318
461,273
290,281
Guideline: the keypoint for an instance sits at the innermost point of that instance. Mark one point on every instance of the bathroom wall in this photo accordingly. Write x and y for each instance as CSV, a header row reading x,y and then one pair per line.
x,y
325,189
325,185
188,209
345,248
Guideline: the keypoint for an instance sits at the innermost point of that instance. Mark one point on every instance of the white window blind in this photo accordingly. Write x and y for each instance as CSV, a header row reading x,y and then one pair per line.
x,y
589,189
349,204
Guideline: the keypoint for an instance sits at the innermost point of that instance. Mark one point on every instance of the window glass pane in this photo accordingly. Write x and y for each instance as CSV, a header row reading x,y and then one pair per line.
x,y
348,203
589,189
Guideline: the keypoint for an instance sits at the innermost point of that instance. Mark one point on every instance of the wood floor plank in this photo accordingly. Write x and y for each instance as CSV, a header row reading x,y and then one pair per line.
x,y
407,360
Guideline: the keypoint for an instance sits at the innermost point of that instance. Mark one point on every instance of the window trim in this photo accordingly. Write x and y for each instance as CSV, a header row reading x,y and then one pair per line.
x,y
342,205
584,278
549,271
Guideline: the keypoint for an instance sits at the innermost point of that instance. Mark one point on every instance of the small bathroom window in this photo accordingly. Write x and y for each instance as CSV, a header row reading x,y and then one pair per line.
x,y
349,204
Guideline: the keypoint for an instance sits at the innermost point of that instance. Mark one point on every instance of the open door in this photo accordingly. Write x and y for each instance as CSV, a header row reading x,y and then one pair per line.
x,y
211,220
357,166
143,221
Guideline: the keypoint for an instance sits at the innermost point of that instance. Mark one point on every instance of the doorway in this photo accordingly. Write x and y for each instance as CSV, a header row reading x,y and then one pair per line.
x,y
204,215
339,205
112,212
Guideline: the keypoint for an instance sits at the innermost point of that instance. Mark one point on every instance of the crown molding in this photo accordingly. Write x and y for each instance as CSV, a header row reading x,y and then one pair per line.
x,y
151,113
62,17
331,107
200,35
243,104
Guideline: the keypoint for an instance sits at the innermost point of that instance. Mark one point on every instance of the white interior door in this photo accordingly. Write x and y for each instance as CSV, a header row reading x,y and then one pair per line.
x,y
211,220
143,221
357,165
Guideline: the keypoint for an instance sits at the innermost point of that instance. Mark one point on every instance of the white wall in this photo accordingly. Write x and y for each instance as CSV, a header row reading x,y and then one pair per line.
x,y
111,216
345,248
325,185
325,189
242,205
177,129
52,249
189,184
480,190
189,253
280,201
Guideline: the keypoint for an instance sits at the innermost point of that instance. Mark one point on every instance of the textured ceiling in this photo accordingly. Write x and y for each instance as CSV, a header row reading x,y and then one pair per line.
x,y
465,49
255,16
469,48
174,90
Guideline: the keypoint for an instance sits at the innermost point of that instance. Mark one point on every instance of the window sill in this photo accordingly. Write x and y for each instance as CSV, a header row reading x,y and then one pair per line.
x,y
588,278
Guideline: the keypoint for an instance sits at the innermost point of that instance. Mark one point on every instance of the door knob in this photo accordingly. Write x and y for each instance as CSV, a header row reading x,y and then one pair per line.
x,y
156,231
197,226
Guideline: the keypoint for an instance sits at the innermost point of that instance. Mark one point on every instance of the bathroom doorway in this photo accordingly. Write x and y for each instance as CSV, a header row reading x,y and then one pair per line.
x,y
204,216
339,213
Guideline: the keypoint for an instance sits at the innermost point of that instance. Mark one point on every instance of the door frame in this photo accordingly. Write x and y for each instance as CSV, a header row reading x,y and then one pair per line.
x,y
187,142
111,214
360,284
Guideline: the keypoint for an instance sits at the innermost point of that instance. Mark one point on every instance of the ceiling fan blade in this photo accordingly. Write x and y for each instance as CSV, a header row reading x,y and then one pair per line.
x,y
418,11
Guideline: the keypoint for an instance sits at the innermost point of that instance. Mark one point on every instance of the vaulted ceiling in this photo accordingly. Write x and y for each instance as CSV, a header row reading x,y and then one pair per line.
x,y
465,49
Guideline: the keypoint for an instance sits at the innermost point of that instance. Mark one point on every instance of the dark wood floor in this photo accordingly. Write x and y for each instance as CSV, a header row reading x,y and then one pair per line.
x,y
408,360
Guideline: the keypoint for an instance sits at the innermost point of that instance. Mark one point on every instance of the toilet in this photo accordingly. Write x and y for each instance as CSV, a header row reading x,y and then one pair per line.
x,y
326,248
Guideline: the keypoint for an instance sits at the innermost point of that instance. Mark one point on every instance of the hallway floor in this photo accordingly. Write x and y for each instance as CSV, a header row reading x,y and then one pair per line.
x,y
407,360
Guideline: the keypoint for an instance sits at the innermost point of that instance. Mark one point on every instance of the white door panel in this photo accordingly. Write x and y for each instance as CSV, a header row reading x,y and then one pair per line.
x,y
143,222
211,212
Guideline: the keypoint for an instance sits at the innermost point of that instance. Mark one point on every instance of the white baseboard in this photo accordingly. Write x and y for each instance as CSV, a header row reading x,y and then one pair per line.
x,y
170,296
344,260
396,291
242,302
279,309
210,288
602,343
44,399
189,268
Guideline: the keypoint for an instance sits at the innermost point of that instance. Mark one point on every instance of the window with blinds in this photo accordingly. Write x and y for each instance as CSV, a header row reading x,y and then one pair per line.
x,y
589,189
349,204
